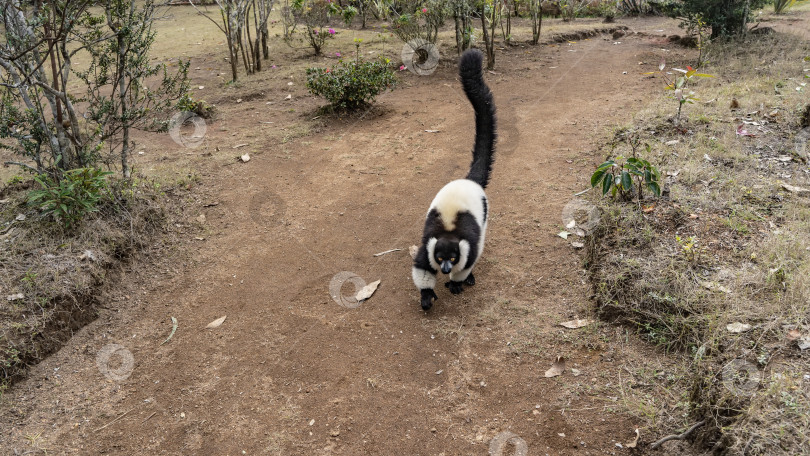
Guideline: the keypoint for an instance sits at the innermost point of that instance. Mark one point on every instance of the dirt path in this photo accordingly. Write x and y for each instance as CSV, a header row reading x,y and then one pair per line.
x,y
291,371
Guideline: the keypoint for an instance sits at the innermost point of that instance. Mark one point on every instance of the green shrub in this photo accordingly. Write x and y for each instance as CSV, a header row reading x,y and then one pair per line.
x,y
623,176
187,103
71,198
351,86
725,17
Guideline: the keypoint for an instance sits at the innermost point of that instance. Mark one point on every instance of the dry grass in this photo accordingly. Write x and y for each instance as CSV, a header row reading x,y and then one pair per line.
x,y
727,245
51,279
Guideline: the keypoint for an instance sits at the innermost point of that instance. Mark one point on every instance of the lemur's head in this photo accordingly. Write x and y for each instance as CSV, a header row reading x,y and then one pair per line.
x,y
446,253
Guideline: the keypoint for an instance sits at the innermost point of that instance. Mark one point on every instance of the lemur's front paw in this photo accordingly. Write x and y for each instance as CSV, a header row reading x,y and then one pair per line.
x,y
428,295
455,287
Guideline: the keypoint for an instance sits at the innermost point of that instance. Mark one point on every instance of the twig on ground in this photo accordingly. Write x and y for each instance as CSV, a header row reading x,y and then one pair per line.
x,y
113,421
686,433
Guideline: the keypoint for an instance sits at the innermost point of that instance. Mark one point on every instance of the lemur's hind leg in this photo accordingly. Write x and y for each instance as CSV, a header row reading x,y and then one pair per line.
x,y
470,280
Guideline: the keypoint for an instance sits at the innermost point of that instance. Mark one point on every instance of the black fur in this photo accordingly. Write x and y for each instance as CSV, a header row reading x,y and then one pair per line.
x,y
472,79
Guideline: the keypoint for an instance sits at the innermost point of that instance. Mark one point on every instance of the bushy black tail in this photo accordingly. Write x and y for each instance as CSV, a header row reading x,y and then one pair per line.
x,y
478,93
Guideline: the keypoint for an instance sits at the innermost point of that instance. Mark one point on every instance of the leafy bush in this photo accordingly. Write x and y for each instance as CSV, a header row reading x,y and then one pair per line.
x,y
419,19
621,177
781,6
188,104
352,85
71,198
725,17
315,15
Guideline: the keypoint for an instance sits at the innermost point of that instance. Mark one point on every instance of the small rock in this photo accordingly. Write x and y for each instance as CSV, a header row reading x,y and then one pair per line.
x,y
20,217
289,97
245,158
334,433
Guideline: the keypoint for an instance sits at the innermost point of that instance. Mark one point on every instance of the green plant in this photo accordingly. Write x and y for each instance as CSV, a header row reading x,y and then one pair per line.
x,y
187,103
415,19
679,85
351,86
781,6
315,15
620,176
725,17
72,197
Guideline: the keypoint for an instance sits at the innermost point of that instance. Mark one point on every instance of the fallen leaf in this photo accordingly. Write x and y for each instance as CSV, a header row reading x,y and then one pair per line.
x,y
413,250
216,323
557,368
648,209
88,255
571,224
367,291
738,327
634,442
804,344
171,334
713,286
574,324
576,372
15,297
794,189
563,234
741,131
20,217
577,245
794,334
245,158
672,143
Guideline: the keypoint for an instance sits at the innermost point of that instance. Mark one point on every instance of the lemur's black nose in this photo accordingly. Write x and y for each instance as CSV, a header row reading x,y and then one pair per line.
x,y
446,266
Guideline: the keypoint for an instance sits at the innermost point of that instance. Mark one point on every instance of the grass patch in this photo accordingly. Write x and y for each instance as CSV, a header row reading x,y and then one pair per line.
x,y
51,277
726,244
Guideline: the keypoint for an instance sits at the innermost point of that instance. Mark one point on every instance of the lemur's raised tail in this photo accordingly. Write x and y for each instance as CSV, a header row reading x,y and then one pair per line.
x,y
456,223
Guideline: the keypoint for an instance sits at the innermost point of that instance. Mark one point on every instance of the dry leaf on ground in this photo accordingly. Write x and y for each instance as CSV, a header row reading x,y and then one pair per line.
x,y
738,327
634,442
574,324
367,291
216,323
557,368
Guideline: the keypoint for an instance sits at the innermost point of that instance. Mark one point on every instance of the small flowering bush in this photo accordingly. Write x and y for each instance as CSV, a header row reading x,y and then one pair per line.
x,y
419,19
315,15
351,86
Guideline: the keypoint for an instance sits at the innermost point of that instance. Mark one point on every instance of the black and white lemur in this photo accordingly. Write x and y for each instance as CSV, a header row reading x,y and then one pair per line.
x,y
457,219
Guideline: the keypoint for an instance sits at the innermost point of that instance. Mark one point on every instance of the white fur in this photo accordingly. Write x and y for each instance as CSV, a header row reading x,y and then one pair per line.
x,y
460,276
431,249
464,254
459,196
423,279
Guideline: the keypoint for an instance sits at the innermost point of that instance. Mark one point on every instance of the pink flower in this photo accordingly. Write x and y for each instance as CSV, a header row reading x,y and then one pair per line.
x,y
337,54
331,31
315,30
402,68
424,10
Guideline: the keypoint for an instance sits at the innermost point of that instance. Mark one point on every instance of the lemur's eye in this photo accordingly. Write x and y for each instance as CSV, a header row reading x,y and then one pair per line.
x,y
453,260
440,259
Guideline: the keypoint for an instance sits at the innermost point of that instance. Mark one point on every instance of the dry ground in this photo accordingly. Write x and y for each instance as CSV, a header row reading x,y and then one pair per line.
x,y
292,372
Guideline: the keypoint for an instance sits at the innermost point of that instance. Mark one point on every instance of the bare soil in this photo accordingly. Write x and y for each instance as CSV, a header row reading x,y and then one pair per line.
x,y
291,371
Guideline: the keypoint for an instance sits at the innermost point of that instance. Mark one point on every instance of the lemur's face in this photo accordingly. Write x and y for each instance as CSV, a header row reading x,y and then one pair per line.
x,y
446,254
